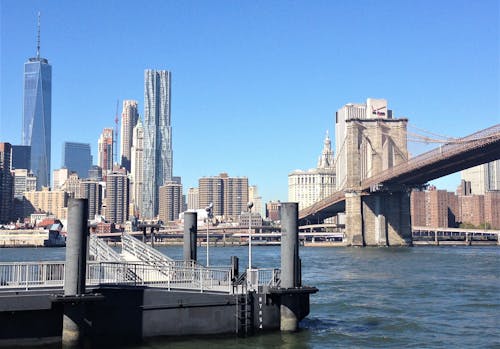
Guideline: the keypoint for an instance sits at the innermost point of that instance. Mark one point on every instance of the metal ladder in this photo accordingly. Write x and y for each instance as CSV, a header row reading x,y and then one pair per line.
x,y
244,314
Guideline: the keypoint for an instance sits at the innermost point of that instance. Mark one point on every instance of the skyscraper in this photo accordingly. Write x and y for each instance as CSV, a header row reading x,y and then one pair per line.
x,y
157,138
137,168
105,151
6,187
77,158
117,187
37,113
130,115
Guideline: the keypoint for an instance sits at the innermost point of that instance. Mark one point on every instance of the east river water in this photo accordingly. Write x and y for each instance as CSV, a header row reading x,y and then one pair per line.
x,y
420,297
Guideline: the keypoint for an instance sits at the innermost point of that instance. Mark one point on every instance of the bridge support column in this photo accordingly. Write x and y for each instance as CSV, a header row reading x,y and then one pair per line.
x,y
354,219
75,273
378,219
190,235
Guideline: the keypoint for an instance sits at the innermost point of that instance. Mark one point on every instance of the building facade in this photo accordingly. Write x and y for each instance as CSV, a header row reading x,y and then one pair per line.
x,y
170,201
193,199
311,186
105,151
229,195
92,190
130,115
77,158
21,157
59,178
483,178
273,210
6,183
137,166
37,114
117,199
253,195
157,138
52,202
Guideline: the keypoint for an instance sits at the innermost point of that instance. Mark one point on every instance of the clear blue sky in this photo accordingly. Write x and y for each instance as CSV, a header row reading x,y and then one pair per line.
x,y
256,83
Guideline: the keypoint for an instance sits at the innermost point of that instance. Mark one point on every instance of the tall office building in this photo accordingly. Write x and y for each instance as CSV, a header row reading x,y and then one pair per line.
x,y
52,202
483,178
37,113
157,138
229,195
24,180
130,115
170,201
6,183
95,173
21,157
77,158
92,190
193,199
313,185
137,168
105,151
117,199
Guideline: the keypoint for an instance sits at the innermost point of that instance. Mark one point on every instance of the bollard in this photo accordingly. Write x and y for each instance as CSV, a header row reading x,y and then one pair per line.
x,y
75,272
235,261
289,264
190,236
152,237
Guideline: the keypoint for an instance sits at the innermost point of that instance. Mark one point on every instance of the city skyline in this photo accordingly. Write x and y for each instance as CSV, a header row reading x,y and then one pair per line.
x,y
237,95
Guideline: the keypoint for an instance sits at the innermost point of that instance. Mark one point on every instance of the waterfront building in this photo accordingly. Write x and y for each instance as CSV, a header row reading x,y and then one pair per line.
x,y
6,183
157,138
105,151
51,202
229,195
471,209
77,158
483,178
256,219
193,199
117,197
37,114
92,190
130,115
492,209
137,166
59,178
170,201
273,210
21,157
313,185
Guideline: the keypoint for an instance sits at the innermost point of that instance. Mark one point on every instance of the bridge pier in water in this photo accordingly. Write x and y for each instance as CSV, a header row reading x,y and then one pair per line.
x,y
378,219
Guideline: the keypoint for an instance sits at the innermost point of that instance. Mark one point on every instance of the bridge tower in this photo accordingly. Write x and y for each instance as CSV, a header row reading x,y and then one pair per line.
x,y
372,144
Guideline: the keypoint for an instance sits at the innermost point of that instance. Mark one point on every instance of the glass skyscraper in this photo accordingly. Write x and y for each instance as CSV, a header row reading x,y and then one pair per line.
x,y
157,139
77,158
37,114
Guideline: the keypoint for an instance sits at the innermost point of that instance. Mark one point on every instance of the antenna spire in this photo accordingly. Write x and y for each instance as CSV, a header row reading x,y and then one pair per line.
x,y
38,39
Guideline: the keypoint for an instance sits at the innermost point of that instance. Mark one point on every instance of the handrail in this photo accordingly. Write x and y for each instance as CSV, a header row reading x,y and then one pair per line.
x,y
101,251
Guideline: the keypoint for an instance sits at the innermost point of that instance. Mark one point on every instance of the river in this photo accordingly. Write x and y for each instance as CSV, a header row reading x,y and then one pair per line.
x,y
420,297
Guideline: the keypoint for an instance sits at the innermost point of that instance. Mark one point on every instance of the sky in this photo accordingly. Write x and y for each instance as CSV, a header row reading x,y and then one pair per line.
x,y
255,84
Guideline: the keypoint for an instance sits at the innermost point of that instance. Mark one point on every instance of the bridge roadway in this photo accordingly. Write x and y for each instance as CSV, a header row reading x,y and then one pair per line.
x,y
478,148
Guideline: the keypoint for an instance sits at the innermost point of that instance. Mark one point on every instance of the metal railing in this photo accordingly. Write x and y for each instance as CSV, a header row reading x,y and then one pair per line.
x,y
30,275
144,252
100,250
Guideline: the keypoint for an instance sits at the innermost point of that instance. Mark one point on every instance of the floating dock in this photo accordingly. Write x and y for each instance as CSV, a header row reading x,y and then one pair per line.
x,y
100,295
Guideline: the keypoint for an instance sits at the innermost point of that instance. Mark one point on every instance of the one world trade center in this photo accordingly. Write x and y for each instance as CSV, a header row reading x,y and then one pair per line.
x,y
37,113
